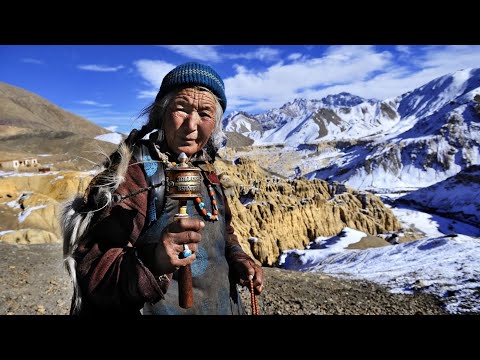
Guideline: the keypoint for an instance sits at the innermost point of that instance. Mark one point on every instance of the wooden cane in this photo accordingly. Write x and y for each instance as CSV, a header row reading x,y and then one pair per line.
x,y
183,183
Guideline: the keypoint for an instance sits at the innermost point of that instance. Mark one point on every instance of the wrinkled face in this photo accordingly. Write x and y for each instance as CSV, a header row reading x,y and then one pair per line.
x,y
189,121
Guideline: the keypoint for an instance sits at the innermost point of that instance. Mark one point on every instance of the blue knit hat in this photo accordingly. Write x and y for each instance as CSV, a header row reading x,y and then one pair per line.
x,y
193,73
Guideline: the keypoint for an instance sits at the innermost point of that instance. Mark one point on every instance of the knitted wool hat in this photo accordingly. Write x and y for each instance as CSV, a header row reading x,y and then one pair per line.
x,y
193,73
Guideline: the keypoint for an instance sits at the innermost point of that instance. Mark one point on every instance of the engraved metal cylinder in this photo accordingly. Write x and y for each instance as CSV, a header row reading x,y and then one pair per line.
x,y
183,183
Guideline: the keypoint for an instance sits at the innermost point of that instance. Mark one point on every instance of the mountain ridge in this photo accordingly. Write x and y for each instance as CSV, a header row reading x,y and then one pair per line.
x,y
413,140
24,109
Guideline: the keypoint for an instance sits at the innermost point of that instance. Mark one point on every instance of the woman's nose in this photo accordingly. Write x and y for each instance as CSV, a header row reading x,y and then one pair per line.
x,y
192,120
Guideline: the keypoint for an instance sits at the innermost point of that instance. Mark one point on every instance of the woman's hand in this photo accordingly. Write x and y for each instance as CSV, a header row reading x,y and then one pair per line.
x,y
168,250
247,270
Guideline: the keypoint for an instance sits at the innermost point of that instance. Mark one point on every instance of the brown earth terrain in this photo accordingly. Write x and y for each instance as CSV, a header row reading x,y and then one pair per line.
x,y
33,282
21,109
32,126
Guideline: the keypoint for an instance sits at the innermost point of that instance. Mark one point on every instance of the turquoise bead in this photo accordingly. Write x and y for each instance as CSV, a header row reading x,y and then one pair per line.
x,y
201,205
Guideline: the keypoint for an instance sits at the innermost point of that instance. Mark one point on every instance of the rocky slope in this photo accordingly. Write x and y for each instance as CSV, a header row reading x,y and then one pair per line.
x,y
456,197
23,109
31,126
30,205
271,215
33,282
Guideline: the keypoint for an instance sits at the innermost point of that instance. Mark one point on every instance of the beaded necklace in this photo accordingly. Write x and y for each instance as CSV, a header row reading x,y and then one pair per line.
x,y
200,205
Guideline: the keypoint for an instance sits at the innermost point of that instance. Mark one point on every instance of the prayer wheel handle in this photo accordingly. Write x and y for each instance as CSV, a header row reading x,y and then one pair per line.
x,y
182,184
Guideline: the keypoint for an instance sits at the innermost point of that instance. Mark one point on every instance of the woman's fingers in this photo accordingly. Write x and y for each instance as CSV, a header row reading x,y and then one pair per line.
x,y
254,273
185,224
258,280
177,262
179,248
184,231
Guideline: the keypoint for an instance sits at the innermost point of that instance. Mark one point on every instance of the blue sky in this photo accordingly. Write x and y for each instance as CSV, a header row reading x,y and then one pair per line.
x,y
110,84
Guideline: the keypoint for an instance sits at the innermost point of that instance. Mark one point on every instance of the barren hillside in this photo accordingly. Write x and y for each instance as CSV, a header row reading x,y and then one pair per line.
x,y
31,126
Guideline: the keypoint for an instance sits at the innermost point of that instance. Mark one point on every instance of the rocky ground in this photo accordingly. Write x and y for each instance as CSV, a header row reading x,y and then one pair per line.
x,y
300,293
34,282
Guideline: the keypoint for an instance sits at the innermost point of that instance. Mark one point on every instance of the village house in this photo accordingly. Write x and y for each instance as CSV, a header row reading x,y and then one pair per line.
x,y
18,164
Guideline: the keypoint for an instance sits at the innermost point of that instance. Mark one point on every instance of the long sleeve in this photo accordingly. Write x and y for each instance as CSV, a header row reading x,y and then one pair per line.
x,y
111,276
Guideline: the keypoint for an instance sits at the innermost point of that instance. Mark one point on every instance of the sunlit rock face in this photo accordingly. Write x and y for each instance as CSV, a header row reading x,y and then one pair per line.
x,y
271,215
30,205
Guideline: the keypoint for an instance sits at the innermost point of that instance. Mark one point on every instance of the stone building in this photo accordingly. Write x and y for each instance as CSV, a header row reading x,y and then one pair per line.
x,y
16,165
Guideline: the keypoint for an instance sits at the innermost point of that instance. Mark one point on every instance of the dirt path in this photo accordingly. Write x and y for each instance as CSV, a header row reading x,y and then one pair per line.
x,y
33,281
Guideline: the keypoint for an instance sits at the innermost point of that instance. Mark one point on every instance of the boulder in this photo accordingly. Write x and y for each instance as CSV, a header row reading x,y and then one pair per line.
x,y
29,236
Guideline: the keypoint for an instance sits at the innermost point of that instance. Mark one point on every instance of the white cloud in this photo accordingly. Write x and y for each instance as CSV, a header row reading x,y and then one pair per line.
x,y
210,53
93,103
447,59
31,61
294,56
262,54
429,62
147,94
153,71
404,49
366,71
360,70
198,52
281,82
100,68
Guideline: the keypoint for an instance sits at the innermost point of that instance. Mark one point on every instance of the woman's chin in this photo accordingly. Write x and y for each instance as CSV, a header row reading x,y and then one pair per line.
x,y
189,150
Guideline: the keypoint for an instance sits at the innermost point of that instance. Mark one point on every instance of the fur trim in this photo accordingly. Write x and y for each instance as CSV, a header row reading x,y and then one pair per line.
x,y
125,156
110,179
74,224
76,216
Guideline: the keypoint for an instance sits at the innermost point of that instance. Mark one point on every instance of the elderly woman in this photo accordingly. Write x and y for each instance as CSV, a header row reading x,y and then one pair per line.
x,y
122,247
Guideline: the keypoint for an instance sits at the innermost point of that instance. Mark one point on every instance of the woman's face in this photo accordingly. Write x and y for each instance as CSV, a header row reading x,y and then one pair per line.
x,y
189,120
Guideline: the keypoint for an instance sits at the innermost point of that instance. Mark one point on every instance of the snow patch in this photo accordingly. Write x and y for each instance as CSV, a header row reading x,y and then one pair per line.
x,y
114,138
25,213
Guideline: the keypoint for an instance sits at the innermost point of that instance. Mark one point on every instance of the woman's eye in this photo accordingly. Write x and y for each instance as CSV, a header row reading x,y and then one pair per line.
x,y
180,110
205,114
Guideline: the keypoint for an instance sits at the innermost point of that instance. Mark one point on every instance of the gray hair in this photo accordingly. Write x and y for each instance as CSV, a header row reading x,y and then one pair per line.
x,y
157,110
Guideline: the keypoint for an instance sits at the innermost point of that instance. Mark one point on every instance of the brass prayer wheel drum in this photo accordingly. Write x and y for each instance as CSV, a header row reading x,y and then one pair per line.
x,y
183,181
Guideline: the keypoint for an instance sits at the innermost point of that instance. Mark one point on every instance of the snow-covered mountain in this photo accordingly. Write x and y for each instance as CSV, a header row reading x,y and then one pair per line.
x,y
309,121
441,265
425,142
457,197
411,141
